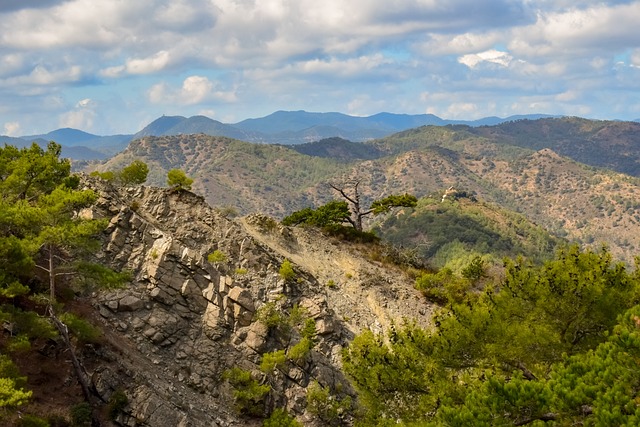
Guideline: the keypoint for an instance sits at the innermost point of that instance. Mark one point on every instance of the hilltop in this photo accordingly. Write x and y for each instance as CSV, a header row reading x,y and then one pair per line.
x,y
281,127
569,199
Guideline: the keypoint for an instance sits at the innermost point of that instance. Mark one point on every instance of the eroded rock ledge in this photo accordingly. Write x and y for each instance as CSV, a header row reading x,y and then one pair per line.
x,y
183,321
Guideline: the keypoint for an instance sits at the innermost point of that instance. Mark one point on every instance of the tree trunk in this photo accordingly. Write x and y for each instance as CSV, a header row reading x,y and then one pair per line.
x,y
52,278
77,366
78,369
354,200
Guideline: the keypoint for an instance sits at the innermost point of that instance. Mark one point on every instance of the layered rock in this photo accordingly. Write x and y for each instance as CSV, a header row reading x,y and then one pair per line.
x,y
183,321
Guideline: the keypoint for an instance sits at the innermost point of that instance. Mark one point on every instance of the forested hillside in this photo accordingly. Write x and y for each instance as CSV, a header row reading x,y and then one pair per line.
x,y
582,203
135,306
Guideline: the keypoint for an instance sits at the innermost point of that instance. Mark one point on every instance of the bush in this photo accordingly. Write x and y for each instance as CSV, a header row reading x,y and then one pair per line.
x,y
29,420
350,234
217,257
325,406
443,287
301,350
178,180
81,414
117,402
280,418
270,316
134,174
248,394
286,271
81,329
108,176
272,361
475,270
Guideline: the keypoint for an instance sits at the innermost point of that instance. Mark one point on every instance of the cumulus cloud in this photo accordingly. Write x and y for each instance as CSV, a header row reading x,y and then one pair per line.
x,y
12,128
148,65
574,31
42,76
492,56
282,54
82,116
194,90
11,64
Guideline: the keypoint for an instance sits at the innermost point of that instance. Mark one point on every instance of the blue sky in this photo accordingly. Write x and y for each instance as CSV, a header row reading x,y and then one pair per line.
x,y
112,66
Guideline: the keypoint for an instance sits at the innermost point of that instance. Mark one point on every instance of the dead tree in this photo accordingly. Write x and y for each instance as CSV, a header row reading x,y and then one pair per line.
x,y
353,197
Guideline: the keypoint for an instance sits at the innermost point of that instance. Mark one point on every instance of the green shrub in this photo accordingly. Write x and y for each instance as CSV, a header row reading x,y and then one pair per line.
x,y
178,180
217,256
81,329
286,271
81,414
28,420
280,418
249,395
117,402
135,205
350,234
325,406
19,344
108,176
475,270
301,350
272,361
443,287
134,174
270,316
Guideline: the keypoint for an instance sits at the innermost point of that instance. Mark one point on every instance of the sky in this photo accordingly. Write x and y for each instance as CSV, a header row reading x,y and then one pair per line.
x,y
113,66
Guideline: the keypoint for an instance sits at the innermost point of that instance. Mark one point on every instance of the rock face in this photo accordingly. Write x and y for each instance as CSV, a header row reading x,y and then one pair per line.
x,y
183,321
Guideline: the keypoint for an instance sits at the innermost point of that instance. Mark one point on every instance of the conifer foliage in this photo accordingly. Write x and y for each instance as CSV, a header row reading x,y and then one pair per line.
x,y
44,240
555,343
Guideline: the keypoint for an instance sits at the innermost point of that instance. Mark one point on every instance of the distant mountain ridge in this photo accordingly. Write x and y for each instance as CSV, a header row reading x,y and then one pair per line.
x,y
514,165
280,127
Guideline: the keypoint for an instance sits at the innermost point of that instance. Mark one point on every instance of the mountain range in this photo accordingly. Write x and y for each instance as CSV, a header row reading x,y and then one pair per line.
x,y
281,127
577,178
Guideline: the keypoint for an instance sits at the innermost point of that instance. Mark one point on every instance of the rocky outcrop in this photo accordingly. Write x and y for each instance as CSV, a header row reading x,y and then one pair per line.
x,y
183,321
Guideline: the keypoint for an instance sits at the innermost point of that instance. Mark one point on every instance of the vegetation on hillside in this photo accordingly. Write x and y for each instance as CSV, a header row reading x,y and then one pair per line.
x,y
348,211
546,341
134,174
568,199
443,232
559,343
45,242
590,142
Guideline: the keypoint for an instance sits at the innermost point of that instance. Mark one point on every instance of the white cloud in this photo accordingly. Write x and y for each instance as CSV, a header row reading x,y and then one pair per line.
x,y
12,128
148,65
289,54
85,103
635,58
364,105
195,90
493,56
113,72
41,75
575,31
81,117
462,110
11,64
569,95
